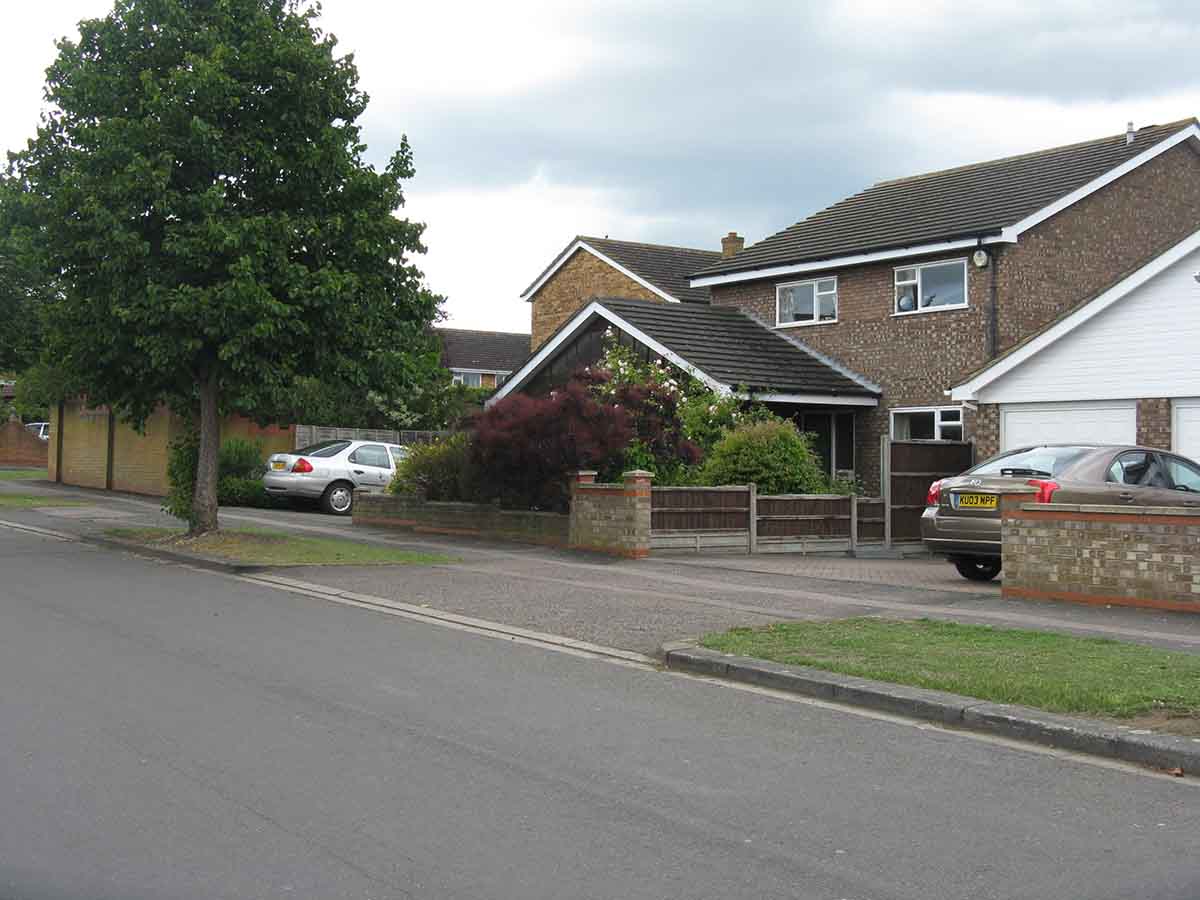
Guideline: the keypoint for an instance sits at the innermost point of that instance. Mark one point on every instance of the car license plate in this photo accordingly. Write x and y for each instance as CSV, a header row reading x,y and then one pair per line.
x,y
976,501
277,465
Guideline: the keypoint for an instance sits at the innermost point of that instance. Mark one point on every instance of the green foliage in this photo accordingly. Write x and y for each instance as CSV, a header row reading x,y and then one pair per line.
x,y
25,286
239,483
182,458
771,454
199,189
241,458
236,491
442,470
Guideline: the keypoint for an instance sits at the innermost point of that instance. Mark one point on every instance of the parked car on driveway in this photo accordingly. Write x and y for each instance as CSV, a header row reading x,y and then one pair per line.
x,y
40,430
330,471
962,516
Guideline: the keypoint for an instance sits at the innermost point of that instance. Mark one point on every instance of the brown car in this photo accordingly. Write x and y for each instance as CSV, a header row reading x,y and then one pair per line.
x,y
962,521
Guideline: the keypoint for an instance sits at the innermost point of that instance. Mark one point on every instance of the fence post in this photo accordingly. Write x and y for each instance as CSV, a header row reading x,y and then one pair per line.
x,y
752,491
885,467
854,525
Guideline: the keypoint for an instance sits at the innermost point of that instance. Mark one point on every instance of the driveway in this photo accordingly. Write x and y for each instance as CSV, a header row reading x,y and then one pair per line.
x,y
638,605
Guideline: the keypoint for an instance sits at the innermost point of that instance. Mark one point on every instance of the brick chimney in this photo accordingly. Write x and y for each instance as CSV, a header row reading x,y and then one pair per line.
x,y
732,244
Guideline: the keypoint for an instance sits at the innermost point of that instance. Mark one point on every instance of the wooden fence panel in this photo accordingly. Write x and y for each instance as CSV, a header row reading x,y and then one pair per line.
x,y
312,434
700,508
804,515
914,465
871,512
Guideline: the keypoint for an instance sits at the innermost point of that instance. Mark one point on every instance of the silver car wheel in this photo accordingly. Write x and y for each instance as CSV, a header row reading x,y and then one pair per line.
x,y
340,498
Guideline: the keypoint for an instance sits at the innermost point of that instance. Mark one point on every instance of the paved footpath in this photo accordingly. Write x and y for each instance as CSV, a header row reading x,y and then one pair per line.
x,y
638,605
172,733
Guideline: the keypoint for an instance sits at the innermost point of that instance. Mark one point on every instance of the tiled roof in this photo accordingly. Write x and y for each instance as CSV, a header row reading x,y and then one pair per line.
x,y
731,347
966,202
492,351
667,268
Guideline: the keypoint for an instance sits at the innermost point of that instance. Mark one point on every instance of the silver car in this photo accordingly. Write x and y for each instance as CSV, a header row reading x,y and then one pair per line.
x,y
330,471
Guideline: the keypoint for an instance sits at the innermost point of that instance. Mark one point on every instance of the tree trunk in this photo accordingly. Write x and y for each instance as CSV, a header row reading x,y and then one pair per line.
x,y
204,500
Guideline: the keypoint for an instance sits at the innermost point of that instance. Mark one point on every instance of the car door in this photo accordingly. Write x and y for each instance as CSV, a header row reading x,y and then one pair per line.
x,y
1185,480
371,467
1137,478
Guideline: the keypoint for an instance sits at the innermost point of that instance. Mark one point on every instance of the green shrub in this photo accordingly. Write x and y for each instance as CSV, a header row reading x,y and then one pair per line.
x,y
441,471
240,458
183,457
234,490
772,454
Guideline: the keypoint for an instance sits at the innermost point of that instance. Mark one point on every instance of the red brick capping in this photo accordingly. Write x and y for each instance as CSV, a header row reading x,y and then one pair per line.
x,y
1101,555
19,447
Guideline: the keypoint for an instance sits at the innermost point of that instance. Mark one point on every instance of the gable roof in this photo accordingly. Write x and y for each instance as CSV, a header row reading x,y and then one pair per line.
x,y
722,346
1071,320
661,269
487,351
994,200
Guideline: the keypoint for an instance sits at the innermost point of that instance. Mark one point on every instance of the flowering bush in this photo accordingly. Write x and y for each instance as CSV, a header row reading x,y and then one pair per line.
x,y
525,448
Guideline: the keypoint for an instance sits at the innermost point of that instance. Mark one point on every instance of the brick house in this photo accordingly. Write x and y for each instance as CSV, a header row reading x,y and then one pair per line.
x,y
482,358
591,267
915,286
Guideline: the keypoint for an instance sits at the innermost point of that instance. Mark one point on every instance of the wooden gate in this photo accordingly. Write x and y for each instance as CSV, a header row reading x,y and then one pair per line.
x,y
912,467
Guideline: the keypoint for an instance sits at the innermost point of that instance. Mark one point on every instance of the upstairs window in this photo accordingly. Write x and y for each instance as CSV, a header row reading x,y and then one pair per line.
x,y
806,302
931,287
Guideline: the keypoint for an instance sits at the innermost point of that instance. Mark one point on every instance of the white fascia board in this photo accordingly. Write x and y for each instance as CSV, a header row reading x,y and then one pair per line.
x,y
1012,232
835,262
969,390
564,334
459,371
813,399
1008,235
584,245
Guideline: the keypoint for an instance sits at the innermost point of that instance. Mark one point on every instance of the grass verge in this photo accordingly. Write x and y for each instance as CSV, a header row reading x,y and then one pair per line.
x,y
23,475
1055,672
276,548
29,501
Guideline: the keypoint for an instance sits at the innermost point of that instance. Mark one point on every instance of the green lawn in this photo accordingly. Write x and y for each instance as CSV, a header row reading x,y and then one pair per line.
x,y
23,475
277,548
1060,673
28,501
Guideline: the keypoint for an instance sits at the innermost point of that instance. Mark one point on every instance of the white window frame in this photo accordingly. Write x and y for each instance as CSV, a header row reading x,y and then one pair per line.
x,y
937,421
461,378
817,294
917,267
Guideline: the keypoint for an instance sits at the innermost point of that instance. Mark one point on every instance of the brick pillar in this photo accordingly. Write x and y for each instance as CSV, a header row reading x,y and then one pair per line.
x,y
638,497
1154,423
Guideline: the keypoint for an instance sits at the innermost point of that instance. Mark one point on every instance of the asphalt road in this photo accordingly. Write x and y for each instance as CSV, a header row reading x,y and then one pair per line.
x,y
168,733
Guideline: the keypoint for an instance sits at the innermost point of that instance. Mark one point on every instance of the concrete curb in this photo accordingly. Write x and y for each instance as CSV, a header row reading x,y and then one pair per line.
x,y
1161,751
191,559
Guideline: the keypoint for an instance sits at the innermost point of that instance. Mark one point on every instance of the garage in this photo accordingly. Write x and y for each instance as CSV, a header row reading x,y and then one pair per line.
x,y
1105,422
1185,427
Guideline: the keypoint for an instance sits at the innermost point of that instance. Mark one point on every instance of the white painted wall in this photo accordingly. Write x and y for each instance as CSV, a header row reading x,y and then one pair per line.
x,y
1185,427
1147,344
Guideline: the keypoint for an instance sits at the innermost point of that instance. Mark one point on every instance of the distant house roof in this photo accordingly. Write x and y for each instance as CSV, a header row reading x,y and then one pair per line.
x,y
483,351
660,269
8,389
965,203
722,346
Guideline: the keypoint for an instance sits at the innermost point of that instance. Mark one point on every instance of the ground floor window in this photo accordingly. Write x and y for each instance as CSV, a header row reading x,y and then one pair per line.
x,y
833,438
470,379
929,424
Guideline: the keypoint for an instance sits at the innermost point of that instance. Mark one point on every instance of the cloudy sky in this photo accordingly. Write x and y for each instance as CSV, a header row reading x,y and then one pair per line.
x,y
677,122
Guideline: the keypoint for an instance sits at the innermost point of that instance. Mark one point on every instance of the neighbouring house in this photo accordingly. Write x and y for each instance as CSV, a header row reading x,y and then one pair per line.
x,y
590,267
482,358
8,390
931,292
91,447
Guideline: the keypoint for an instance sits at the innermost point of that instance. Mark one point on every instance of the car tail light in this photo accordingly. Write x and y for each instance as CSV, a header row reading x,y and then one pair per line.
x,y
302,465
1046,489
934,497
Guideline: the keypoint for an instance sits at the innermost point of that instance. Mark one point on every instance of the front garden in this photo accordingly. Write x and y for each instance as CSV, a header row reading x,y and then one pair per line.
x,y
622,414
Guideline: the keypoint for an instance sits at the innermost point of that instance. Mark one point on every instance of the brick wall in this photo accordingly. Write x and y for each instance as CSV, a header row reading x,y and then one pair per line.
x,y
1154,423
1074,255
612,518
84,432
18,447
568,290
1106,555
986,431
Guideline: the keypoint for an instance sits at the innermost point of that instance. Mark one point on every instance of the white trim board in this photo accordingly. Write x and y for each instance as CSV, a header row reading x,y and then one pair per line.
x,y
969,390
458,371
1007,235
580,244
595,308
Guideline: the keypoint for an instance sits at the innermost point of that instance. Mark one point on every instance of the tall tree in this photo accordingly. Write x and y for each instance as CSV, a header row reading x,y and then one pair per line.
x,y
200,180
24,284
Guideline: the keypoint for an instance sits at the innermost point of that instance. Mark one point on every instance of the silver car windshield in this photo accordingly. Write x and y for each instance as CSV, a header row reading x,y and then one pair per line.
x,y
1042,460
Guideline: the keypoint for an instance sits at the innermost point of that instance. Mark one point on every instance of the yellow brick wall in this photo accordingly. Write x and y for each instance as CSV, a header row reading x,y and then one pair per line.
x,y
140,460
52,462
580,278
85,445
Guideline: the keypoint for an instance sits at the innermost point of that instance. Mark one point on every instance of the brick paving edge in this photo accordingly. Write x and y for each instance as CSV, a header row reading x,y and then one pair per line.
x,y
1160,751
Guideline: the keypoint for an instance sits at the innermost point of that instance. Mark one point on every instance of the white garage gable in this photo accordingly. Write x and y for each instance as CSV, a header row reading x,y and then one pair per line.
x,y
1137,339
1112,422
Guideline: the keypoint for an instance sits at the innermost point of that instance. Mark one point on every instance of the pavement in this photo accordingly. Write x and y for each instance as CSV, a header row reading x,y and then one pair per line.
x,y
170,732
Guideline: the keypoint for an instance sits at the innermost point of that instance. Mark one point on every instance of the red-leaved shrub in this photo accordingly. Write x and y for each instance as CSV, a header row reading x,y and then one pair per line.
x,y
525,447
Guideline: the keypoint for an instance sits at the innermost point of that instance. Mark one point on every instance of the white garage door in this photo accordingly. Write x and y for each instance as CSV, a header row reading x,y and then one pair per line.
x,y
1185,428
1108,422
